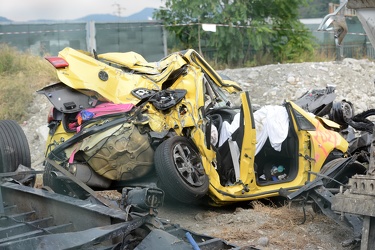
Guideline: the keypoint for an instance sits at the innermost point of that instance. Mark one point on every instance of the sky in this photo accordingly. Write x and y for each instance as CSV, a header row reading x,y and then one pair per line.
x,y
25,10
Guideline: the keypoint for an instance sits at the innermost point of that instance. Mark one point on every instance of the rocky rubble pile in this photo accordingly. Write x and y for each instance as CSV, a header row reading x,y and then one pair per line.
x,y
36,129
270,84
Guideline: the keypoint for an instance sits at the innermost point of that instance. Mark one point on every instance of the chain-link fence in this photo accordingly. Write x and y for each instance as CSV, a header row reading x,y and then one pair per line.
x,y
41,39
146,38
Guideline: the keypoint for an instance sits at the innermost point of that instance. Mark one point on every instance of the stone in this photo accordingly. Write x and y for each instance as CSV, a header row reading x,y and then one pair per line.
x,y
239,209
291,79
263,241
199,217
323,69
42,132
253,75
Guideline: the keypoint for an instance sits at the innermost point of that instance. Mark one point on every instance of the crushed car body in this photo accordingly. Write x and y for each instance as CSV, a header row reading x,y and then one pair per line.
x,y
120,121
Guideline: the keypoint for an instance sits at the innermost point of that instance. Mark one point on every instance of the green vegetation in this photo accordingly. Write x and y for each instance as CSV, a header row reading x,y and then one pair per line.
x,y
21,74
246,30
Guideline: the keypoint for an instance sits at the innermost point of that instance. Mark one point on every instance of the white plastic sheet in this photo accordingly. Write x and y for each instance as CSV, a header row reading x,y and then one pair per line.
x,y
227,129
271,122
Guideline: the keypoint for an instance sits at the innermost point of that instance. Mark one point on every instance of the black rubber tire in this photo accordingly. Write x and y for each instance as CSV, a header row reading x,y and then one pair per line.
x,y
341,112
360,121
60,186
14,148
341,177
168,157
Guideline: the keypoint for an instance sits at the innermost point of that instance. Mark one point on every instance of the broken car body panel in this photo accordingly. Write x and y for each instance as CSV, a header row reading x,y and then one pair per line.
x,y
37,219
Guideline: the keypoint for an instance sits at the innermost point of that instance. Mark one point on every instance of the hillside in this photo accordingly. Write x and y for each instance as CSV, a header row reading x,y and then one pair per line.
x,y
144,15
4,19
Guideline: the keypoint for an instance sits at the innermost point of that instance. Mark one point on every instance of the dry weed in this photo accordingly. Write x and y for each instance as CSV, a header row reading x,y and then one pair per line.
x,y
291,223
21,75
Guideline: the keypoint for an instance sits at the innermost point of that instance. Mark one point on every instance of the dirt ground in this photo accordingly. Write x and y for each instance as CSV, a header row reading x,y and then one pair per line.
x,y
260,225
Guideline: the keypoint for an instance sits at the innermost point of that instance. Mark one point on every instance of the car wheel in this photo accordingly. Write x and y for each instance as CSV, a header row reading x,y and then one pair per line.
x,y
61,186
341,176
180,170
338,177
14,148
341,112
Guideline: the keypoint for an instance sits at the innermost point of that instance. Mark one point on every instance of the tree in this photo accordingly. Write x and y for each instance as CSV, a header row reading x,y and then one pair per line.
x,y
242,26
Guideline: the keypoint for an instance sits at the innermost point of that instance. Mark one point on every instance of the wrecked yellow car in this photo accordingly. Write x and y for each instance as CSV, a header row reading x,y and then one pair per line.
x,y
119,121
